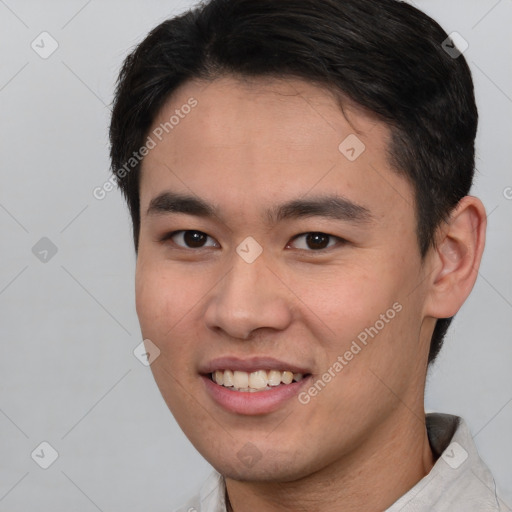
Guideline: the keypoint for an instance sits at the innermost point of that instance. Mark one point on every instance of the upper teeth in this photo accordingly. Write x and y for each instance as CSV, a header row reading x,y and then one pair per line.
x,y
244,381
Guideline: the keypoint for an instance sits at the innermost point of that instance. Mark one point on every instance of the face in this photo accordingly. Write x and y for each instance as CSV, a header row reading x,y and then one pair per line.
x,y
271,242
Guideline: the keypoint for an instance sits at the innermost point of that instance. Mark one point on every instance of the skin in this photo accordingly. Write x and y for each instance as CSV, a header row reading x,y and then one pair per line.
x,y
361,442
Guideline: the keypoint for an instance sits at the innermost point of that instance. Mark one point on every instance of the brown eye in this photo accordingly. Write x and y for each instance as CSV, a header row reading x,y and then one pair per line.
x,y
315,241
190,239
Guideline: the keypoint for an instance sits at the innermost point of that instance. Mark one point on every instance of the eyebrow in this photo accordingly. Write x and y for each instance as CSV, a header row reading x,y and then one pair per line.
x,y
331,206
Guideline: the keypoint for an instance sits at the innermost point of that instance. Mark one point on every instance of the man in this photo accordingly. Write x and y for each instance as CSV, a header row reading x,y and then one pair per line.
x,y
298,174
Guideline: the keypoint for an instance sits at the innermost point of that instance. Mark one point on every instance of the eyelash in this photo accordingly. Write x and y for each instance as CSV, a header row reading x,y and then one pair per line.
x,y
340,240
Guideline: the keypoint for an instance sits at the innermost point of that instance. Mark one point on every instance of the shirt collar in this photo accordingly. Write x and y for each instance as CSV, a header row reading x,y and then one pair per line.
x,y
459,479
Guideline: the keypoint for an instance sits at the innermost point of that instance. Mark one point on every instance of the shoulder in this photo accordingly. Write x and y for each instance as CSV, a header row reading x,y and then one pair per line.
x,y
459,480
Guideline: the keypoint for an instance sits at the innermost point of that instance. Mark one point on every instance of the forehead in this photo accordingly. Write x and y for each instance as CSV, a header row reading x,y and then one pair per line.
x,y
232,110
261,139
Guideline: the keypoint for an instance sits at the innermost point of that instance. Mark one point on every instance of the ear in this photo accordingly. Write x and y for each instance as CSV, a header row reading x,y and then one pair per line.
x,y
456,258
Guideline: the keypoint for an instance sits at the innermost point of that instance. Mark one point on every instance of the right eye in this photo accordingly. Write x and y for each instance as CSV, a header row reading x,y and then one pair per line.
x,y
191,239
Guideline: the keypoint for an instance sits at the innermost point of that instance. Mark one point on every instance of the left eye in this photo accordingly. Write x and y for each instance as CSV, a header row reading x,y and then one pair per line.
x,y
191,238
316,240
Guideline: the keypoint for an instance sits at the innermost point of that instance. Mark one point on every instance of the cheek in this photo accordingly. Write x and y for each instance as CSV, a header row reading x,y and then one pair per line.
x,y
167,298
365,314
160,300
163,304
349,299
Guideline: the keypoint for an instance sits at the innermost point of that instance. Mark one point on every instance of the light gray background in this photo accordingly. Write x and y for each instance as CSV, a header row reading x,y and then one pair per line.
x,y
68,326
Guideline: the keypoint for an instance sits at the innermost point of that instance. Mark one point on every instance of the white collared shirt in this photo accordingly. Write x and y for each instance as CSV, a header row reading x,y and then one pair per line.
x,y
458,482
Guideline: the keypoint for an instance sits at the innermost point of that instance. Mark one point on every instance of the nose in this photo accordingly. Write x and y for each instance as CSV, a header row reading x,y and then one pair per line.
x,y
250,296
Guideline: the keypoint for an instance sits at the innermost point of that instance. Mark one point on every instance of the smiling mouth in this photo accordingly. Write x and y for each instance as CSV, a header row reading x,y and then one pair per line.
x,y
250,382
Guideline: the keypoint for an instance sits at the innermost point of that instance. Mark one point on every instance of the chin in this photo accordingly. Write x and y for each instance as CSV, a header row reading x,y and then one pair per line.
x,y
269,466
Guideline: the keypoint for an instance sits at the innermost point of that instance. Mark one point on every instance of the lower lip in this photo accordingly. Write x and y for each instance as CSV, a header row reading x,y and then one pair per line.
x,y
251,403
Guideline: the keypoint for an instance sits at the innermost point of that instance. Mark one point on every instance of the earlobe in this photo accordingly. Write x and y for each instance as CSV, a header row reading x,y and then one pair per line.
x,y
457,257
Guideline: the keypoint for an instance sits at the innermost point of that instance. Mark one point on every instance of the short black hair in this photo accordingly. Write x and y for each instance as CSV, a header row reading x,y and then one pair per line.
x,y
385,55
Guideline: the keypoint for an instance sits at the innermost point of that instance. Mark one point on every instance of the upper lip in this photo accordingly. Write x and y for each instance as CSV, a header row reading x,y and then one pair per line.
x,y
250,364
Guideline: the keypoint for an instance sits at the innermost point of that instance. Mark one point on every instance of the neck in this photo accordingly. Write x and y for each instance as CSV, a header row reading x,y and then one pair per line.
x,y
370,478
